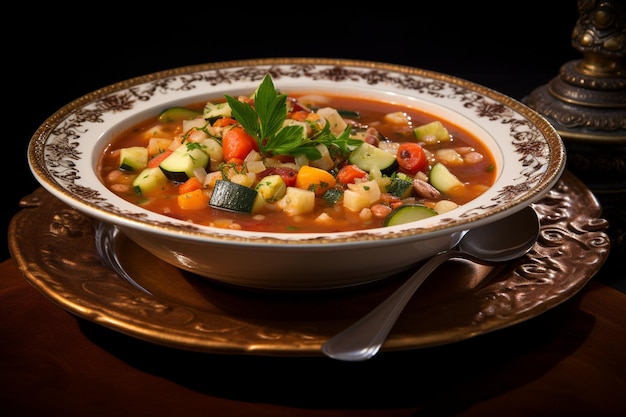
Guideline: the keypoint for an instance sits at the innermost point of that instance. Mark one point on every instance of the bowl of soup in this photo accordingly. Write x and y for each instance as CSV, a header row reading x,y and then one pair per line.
x,y
296,173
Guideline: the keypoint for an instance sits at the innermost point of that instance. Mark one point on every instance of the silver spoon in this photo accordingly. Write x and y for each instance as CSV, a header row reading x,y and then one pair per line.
x,y
502,240
106,245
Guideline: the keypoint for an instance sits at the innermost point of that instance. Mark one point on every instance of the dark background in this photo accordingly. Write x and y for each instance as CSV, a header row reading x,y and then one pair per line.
x,y
55,56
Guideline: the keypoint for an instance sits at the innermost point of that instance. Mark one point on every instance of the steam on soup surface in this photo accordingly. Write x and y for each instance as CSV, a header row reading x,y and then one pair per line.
x,y
296,162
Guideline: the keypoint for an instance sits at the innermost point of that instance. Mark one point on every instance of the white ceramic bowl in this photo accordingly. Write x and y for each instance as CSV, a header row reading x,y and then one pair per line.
x,y
529,156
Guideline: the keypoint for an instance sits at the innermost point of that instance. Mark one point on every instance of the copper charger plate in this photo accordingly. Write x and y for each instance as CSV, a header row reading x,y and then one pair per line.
x,y
54,247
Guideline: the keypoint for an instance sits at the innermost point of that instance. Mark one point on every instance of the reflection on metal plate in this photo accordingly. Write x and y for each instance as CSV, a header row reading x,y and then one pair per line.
x,y
55,248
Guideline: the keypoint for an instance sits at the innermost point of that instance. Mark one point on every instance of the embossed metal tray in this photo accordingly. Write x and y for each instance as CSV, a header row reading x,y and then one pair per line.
x,y
54,247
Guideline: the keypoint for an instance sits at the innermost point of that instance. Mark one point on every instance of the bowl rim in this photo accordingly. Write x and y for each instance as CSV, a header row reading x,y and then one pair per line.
x,y
60,177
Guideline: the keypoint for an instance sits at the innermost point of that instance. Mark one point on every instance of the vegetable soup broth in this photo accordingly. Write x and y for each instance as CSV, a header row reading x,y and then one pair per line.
x,y
477,176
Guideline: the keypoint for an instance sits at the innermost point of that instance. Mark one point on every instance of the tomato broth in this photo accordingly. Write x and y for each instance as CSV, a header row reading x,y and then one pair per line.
x,y
462,153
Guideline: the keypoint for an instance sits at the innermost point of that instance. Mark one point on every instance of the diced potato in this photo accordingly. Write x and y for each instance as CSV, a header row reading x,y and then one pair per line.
x,y
158,145
156,131
332,116
313,100
198,122
211,177
355,201
323,218
243,179
369,189
442,206
326,161
297,201
399,118
197,135
449,157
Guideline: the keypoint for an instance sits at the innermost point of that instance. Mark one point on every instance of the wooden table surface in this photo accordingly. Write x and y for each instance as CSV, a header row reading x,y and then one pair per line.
x,y
570,360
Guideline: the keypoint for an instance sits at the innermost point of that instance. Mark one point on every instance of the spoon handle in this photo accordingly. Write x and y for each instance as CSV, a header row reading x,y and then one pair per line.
x,y
363,339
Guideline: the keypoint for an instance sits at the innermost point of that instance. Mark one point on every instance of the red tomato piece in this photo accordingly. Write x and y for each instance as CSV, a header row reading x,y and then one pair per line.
x,y
288,175
237,144
411,157
349,173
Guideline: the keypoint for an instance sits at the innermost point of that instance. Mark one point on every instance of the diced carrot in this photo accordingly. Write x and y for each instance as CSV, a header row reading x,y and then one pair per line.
x,y
299,115
237,143
411,157
224,121
193,200
156,161
315,179
191,184
349,173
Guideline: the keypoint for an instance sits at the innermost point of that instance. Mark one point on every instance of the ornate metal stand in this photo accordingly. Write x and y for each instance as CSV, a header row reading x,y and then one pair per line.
x,y
586,103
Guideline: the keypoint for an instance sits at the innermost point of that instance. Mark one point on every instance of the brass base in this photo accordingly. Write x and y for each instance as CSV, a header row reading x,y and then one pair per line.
x,y
589,114
586,104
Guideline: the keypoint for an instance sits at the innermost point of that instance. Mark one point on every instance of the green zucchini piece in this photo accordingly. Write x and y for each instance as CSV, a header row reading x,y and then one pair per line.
x,y
408,213
134,158
177,114
332,196
230,196
180,165
214,111
368,157
149,180
432,132
400,187
442,179
349,114
272,188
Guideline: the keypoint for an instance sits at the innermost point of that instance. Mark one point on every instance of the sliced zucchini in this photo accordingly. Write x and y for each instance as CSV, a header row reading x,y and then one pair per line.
x,y
349,114
442,179
180,165
432,132
230,196
400,187
214,111
134,158
332,196
272,188
408,213
177,114
368,157
216,154
149,180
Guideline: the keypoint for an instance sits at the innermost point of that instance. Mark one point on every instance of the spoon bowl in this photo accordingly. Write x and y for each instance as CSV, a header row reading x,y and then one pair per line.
x,y
500,241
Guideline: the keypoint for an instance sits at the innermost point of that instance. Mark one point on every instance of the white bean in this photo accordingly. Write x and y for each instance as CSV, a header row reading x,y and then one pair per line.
x,y
472,157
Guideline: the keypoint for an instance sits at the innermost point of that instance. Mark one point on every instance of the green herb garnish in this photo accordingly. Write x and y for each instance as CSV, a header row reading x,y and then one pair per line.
x,y
265,122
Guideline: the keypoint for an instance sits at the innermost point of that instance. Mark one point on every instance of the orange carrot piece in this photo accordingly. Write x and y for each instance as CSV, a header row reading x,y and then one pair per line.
x,y
411,157
224,121
299,115
191,184
349,173
193,200
157,159
237,143
315,179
